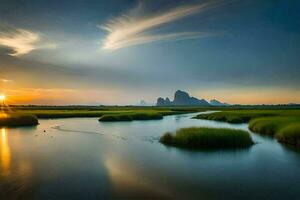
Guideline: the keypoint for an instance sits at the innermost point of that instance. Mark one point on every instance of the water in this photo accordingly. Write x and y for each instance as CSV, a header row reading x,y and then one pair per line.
x,y
80,158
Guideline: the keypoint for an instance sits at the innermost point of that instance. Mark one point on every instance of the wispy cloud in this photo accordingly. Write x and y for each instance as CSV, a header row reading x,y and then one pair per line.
x,y
22,41
129,30
6,80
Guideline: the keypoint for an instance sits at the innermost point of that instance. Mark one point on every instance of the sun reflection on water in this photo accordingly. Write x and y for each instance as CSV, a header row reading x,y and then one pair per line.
x,y
3,115
5,153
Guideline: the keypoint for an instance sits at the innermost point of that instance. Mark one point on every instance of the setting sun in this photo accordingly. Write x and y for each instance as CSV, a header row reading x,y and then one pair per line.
x,y
2,97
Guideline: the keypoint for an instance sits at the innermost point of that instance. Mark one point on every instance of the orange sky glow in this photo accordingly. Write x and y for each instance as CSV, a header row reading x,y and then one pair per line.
x,y
57,96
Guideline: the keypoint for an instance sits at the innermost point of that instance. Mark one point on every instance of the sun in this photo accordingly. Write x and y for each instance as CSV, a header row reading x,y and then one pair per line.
x,y
2,97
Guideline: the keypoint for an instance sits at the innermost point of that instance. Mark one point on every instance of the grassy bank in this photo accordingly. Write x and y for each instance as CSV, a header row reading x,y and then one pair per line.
x,y
281,124
131,116
271,125
51,114
69,112
27,115
237,116
290,134
207,138
14,120
285,129
243,116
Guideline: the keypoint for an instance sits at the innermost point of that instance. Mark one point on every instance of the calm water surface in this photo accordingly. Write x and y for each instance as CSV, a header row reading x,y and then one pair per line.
x,y
80,158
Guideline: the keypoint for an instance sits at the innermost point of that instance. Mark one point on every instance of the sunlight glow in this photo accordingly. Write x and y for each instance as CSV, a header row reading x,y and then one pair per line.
x,y
2,97
5,155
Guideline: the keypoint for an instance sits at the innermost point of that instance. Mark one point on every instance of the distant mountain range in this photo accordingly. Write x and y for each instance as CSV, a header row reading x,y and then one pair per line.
x,y
182,98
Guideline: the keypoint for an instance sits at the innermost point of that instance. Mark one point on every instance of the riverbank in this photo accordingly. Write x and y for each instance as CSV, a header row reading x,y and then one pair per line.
x,y
16,120
70,112
281,124
131,116
27,116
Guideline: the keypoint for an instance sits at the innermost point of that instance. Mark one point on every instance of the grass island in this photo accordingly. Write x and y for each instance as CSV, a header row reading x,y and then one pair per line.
x,y
207,138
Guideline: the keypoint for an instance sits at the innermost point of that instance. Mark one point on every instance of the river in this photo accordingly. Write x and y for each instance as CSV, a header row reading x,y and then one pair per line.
x,y
81,158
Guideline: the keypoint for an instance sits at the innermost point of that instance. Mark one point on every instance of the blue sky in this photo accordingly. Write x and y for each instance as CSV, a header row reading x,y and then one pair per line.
x,y
119,52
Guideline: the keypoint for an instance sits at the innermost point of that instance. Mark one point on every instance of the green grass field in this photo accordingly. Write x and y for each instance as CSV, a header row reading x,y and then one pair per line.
x,y
281,124
131,116
243,116
105,113
68,112
290,134
207,138
109,113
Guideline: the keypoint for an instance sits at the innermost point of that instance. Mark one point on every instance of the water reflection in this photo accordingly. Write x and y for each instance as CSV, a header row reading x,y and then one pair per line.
x,y
96,166
5,153
15,168
127,181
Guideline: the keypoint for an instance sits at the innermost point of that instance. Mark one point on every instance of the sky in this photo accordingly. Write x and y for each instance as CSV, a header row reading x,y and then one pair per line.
x,y
92,52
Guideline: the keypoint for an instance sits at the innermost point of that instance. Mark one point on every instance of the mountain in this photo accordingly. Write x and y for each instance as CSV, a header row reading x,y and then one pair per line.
x,y
163,102
182,98
215,102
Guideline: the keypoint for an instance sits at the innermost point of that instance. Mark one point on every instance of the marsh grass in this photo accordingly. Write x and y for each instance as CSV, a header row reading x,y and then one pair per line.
x,y
285,129
281,124
271,125
14,120
49,113
239,116
131,116
244,116
290,135
207,138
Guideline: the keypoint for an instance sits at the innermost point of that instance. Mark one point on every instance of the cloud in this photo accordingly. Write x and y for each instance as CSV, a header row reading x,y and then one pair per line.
x,y
6,80
22,41
129,30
